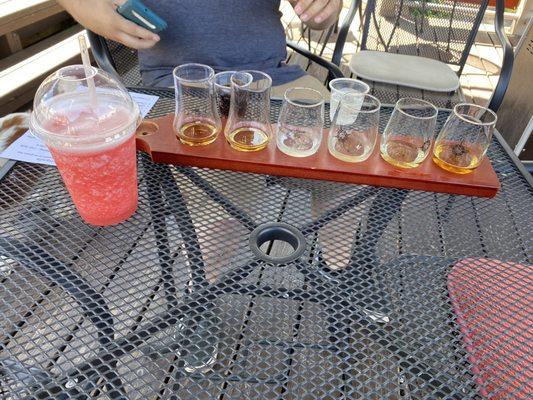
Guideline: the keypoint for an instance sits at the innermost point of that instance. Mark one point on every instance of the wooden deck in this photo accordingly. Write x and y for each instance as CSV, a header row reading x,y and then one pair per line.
x,y
479,77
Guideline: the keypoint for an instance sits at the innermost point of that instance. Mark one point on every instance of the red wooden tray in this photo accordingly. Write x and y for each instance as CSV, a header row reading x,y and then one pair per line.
x,y
157,138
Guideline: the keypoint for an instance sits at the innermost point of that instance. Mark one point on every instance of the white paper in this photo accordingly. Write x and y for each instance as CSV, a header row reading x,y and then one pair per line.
x,y
145,102
31,149
28,148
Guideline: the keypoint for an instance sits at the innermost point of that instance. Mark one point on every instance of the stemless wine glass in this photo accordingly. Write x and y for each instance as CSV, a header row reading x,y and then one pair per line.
x,y
464,139
407,137
354,139
341,86
196,121
300,122
223,92
248,127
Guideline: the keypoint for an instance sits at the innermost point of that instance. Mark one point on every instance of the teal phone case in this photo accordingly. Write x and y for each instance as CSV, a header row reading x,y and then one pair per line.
x,y
137,12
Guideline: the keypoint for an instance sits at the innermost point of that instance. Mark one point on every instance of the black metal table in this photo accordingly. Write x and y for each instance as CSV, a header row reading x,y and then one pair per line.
x,y
178,303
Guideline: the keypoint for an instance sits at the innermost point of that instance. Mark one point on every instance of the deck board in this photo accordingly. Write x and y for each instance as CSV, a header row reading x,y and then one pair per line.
x,y
16,14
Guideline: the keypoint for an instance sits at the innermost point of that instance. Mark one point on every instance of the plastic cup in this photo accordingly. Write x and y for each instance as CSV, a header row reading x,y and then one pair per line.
x,y
339,88
92,140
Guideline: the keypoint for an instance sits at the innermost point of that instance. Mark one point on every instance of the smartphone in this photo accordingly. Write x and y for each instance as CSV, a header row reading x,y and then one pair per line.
x,y
137,12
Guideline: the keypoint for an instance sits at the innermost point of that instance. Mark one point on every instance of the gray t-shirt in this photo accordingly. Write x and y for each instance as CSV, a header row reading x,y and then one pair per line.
x,y
225,34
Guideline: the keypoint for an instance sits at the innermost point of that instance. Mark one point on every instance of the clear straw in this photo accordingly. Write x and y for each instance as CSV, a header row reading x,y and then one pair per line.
x,y
88,69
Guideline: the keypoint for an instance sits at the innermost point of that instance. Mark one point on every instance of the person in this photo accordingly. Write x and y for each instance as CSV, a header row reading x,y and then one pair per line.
x,y
224,34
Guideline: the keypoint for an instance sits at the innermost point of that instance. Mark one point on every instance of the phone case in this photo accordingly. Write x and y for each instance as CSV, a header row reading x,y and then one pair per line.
x,y
137,12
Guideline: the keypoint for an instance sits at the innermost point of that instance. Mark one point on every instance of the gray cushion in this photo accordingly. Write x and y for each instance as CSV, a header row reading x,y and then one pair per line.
x,y
400,69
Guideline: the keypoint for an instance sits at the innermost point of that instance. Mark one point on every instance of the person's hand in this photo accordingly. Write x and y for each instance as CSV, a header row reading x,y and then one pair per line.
x,y
317,14
101,17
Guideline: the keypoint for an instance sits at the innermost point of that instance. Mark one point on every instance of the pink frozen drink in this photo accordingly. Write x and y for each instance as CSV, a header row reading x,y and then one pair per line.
x,y
92,141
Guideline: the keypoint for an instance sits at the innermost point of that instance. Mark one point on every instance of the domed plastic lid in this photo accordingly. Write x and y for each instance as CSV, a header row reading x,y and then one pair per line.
x,y
78,106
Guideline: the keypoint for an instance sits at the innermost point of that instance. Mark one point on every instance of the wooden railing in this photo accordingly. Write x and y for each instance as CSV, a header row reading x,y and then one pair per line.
x,y
36,38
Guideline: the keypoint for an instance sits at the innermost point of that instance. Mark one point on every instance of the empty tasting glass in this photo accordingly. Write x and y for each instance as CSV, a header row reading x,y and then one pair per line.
x,y
223,92
300,122
196,121
407,137
341,86
248,127
464,138
354,137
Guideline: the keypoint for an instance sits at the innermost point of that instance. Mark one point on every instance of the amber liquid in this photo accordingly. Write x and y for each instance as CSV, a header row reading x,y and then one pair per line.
x,y
248,139
455,157
402,154
197,133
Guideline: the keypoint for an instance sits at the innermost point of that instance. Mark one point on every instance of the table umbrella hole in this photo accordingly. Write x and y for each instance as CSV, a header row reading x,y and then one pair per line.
x,y
277,243
147,128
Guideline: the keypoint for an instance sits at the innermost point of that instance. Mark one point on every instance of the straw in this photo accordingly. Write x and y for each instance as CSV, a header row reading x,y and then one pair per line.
x,y
88,69
338,109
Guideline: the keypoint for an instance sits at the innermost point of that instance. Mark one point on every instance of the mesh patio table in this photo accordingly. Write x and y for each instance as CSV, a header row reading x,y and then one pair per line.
x,y
197,297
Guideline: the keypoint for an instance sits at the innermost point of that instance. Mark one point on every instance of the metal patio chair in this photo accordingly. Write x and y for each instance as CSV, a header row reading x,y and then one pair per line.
x,y
401,32
306,33
340,28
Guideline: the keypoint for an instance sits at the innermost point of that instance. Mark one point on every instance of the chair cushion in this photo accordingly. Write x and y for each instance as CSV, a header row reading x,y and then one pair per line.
x,y
493,304
400,69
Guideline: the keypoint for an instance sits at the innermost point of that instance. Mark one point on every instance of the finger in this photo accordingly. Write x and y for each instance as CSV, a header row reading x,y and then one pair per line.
x,y
301,5
117,3
327,12
133,41
314,9
133,29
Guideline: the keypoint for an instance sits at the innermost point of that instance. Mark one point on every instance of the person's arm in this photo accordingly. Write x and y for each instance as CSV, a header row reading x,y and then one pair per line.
x,y
317,14
101,17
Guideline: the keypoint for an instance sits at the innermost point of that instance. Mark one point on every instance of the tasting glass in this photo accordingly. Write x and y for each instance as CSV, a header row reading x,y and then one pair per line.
x,y
341,86
300,123
223,92
353,138
464,139
407,138
248,127
196,121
